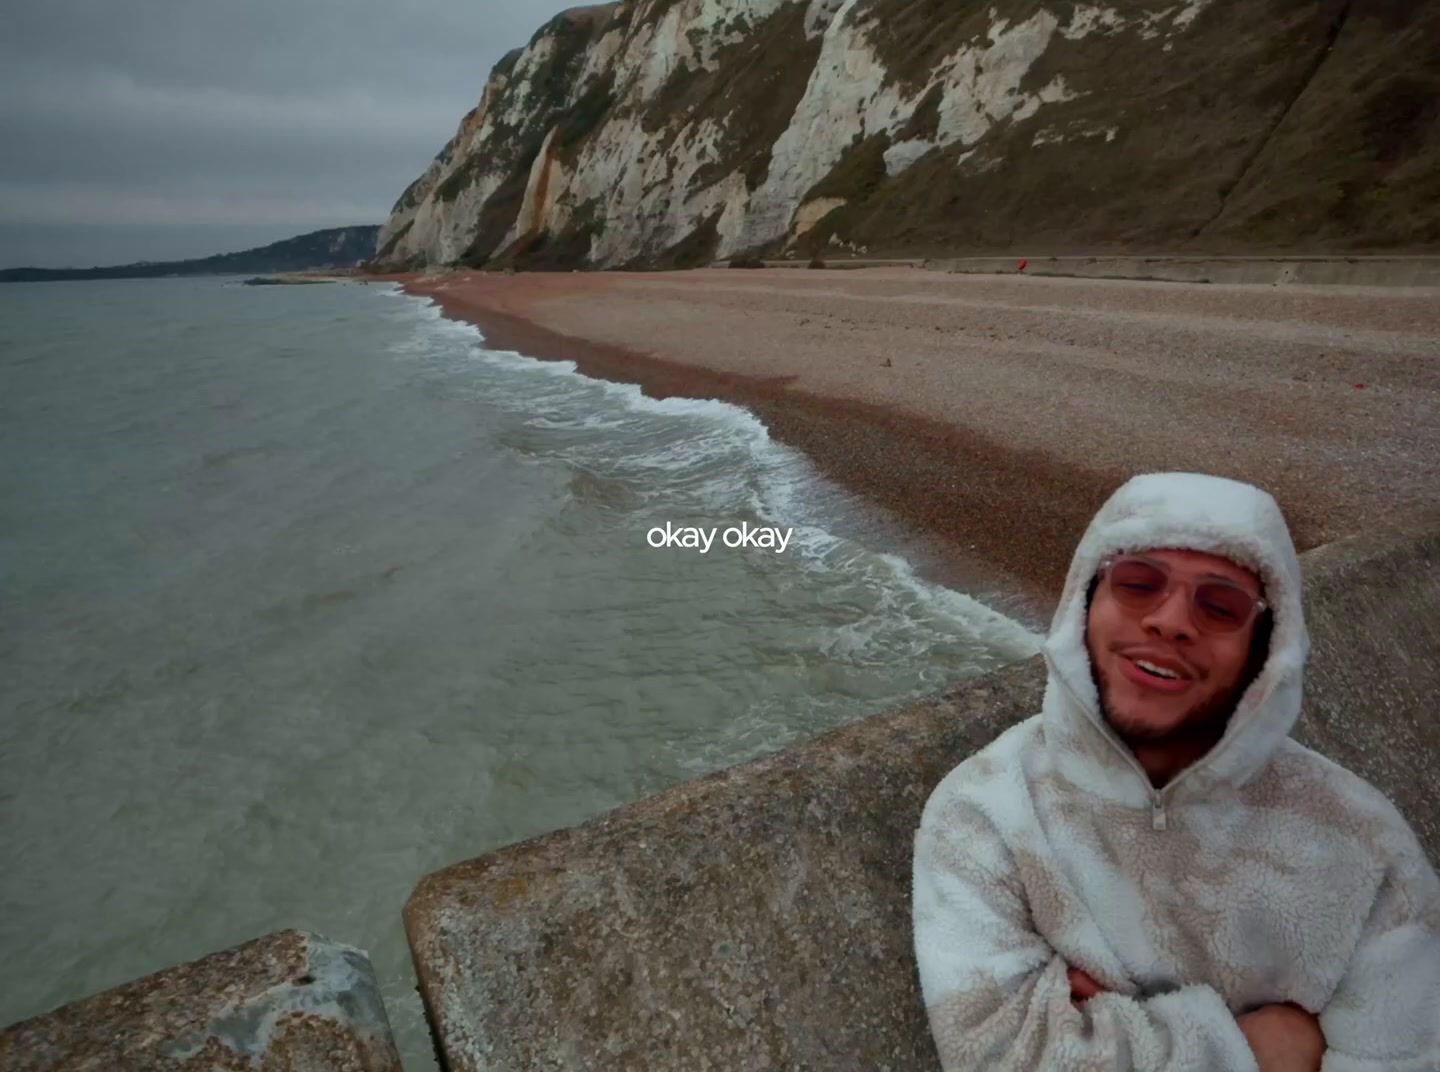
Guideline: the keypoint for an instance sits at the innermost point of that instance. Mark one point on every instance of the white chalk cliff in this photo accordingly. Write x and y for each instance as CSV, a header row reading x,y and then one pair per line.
x,y
678,132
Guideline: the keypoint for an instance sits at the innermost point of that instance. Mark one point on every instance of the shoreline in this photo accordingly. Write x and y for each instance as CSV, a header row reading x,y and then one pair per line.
x,y
990,544
1013,406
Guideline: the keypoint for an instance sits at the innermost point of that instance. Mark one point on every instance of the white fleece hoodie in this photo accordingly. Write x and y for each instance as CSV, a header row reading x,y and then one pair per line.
x,y
1262,873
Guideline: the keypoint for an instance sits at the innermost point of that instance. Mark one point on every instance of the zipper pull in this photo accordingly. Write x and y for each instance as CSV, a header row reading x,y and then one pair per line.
x,y
1157,816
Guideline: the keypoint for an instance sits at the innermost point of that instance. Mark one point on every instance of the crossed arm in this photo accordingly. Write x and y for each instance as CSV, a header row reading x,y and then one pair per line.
x,y
1283,1037
999,996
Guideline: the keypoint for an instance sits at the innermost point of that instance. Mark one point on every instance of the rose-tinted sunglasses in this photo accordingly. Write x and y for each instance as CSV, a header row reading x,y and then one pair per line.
x,y
1216,606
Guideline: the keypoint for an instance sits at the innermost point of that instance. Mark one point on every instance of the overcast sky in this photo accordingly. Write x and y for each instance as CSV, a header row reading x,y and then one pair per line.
x,y
160,129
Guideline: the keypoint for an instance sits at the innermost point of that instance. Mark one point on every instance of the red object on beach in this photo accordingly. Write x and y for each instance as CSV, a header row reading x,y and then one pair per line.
x,y
1358,386
1021,266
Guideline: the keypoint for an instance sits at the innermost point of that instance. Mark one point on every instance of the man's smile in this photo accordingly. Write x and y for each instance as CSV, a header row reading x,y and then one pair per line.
x,y
1134,672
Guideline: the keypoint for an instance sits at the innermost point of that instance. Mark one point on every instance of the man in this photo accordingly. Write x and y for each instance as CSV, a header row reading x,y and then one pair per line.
x,y
1150,874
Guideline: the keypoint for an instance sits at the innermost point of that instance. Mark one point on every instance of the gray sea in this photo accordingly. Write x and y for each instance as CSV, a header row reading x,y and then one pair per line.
x,y
306,592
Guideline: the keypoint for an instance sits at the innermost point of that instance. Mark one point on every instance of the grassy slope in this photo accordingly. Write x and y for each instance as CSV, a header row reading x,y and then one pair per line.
x,y
1256,136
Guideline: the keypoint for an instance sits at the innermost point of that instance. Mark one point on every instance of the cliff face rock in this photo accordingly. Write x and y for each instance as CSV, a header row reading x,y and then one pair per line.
x,y
674,132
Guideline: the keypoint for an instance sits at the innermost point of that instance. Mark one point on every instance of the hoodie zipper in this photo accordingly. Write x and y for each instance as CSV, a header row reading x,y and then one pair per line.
x,y
1157,796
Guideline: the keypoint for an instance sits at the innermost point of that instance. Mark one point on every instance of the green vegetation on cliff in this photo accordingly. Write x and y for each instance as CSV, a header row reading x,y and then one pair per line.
x,y
1279,126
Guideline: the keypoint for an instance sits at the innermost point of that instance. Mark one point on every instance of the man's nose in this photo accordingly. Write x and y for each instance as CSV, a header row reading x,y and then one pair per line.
x,y
1172,616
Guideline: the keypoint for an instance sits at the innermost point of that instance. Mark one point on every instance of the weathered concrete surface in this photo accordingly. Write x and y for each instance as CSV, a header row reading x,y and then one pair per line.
x,y
760,918
287,1002
756,918
1348,271
1373,607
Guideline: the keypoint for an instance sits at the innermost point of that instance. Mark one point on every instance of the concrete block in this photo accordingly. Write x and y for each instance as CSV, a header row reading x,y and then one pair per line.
x,y
1373,608
760,918
287,1002
757,918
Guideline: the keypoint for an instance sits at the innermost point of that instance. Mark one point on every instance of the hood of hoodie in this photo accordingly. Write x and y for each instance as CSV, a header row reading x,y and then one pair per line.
x,y
1196,512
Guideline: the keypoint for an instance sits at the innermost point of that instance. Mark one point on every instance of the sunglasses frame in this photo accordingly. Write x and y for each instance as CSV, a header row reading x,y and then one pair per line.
x,y
1258,605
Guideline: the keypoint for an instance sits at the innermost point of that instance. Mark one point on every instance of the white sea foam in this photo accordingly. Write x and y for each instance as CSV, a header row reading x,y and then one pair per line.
x,y
727,461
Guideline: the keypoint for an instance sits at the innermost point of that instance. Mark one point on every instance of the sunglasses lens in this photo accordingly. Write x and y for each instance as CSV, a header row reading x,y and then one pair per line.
x,y
1137,584
1222,608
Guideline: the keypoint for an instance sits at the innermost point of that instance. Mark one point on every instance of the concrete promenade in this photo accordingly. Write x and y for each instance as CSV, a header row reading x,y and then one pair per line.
x,y
1357,271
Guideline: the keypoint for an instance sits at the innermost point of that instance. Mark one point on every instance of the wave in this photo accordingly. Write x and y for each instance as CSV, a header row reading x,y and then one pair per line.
x,y
691,457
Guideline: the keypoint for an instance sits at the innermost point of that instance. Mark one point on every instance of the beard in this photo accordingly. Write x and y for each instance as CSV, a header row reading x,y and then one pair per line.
x,y
1205,721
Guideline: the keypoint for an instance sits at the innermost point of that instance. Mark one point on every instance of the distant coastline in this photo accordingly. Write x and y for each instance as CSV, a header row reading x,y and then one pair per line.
x,y
335,247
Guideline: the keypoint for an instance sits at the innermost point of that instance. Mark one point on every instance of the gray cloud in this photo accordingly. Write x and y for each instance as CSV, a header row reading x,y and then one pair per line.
x,y
139,126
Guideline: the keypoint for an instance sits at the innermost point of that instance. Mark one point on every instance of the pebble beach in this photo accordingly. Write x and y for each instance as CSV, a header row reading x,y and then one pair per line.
x,y
996,412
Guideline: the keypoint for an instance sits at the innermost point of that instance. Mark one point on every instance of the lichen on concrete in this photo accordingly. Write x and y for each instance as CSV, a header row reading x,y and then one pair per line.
x,y
286,1002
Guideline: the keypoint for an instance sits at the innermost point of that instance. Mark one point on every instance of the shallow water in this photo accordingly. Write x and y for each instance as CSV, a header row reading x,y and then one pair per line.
x,y
305,593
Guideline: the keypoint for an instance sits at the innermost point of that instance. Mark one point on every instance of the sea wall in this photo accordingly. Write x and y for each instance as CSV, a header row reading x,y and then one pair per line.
x,y
1332,271
760,917
756,918
286,1002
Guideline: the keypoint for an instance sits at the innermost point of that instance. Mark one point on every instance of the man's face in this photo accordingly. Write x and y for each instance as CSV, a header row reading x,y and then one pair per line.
x,y
1145,710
